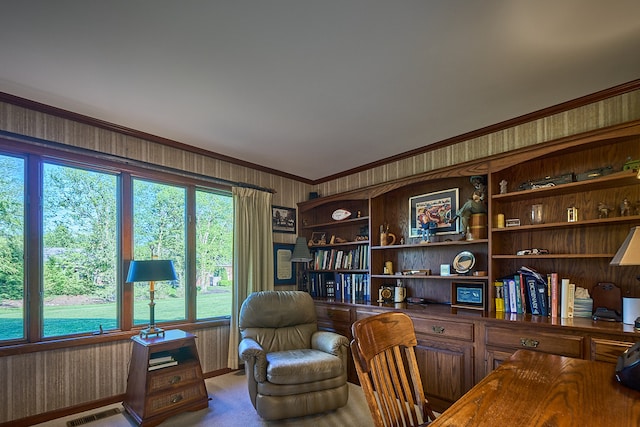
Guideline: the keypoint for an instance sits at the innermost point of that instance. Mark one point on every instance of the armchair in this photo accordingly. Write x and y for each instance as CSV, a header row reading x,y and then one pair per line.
x,y
292,368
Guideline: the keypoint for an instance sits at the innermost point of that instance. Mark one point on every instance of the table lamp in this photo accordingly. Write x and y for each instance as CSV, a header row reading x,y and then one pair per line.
x,y
151,271
301,254
628,255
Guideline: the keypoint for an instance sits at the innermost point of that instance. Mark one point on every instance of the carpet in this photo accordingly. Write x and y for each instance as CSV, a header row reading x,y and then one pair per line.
x,y
230,406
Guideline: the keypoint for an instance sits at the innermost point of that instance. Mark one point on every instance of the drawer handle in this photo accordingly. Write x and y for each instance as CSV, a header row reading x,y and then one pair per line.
x,y
177,398
438,329
175,379
529,343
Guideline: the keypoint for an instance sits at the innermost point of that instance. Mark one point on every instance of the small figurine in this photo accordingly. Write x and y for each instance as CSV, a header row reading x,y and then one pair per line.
x,y
472,206
625,207
503,187
603,210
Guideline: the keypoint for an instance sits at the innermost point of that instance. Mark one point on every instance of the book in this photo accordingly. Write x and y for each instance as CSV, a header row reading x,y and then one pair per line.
x,y
532,288
505,295
162,365
571,300
160,359
537,293
564,298
555,294
499,292
513,295
518,291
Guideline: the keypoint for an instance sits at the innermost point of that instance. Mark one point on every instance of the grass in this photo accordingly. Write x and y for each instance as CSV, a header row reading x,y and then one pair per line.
x,y
83,318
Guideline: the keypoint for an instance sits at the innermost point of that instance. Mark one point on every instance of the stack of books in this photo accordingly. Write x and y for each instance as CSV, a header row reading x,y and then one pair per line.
x,y
161,361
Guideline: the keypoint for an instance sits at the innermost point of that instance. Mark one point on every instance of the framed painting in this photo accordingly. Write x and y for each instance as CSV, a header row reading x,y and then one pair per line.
x,y
433,211
283,269
283,220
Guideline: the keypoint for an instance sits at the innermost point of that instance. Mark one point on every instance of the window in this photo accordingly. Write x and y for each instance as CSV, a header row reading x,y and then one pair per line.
x,y
214,254
12,214
159,230
79,257
63,254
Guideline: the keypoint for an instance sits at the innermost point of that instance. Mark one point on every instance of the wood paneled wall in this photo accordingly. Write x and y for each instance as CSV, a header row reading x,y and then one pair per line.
x,y
50,380
611,111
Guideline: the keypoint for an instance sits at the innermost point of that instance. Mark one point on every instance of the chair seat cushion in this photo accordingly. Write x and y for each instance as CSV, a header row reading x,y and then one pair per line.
x,y
301,366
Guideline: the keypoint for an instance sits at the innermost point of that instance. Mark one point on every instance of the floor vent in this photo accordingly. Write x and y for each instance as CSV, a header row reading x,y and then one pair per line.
x,y
93,417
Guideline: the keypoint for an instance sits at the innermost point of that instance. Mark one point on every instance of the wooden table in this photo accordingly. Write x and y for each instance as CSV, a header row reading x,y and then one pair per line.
x,y
165,378
538,389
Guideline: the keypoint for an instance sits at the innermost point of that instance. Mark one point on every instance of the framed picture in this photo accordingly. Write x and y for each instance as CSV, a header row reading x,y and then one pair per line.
x,y
283,220
283,269
433,211
468,295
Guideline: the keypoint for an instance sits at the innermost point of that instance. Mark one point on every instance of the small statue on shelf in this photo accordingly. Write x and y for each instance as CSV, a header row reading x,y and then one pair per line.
x,y
503,187
625,207
476,204
603,210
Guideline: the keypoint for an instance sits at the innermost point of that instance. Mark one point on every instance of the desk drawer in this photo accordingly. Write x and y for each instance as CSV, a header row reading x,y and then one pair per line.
x,y
334,314
443,328
606,350
563,345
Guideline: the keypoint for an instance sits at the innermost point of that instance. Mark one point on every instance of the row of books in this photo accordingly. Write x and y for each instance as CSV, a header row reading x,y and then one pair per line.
x,y
159,361
347,287
528,291
340,259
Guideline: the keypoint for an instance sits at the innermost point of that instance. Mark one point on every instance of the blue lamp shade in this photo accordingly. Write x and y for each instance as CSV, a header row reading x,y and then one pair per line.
x,y
154,270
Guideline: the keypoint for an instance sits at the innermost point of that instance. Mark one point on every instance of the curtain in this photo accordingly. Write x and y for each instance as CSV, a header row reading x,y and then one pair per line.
x,y
252,255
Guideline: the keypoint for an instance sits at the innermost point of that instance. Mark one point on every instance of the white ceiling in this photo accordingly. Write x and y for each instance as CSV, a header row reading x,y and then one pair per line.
x,y
314,87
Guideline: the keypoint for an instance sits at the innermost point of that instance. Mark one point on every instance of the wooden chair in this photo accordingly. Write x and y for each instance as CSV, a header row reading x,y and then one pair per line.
x,y
383,351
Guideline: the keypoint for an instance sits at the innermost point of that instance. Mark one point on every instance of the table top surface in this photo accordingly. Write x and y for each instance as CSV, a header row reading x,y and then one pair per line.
x,y
539,389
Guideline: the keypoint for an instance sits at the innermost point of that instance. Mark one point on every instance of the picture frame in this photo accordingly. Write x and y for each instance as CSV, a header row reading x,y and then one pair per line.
x,y
283,219
284,271
438,207
468,295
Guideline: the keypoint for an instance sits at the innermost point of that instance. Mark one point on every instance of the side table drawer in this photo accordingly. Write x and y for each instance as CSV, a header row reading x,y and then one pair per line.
x,y
563,345
172,378
174,399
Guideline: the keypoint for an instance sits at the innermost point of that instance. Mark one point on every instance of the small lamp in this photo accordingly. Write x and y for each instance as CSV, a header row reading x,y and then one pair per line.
x,y
301,254
151,271
628,255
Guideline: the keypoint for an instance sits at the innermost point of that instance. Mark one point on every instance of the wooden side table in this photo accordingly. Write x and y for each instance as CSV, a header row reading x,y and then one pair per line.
x,y
165,378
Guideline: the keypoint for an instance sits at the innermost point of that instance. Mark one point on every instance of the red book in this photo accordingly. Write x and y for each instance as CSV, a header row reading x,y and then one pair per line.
x,y
554,295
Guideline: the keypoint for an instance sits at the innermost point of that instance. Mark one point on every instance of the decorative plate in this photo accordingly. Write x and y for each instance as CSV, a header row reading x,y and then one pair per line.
x,y
340,214
464,262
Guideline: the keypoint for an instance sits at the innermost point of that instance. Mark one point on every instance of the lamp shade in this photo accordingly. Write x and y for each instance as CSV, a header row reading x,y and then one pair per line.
x,y
301,251
629,252
154,270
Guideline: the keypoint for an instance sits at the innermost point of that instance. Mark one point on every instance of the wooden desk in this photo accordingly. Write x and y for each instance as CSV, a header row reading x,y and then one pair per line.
x,y
538,389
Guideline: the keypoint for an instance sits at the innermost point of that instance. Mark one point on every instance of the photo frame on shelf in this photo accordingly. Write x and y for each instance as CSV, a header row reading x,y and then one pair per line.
x,y
468,295
437,209
283,219
284,270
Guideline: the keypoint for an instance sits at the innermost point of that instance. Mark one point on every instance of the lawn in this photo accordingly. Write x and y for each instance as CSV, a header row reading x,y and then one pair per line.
x,y
82,318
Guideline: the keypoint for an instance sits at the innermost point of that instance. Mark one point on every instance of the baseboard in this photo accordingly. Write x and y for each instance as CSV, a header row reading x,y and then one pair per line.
x,y
63,412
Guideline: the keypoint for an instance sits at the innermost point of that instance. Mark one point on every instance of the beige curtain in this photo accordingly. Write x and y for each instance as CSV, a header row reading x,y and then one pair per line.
x,y
252,255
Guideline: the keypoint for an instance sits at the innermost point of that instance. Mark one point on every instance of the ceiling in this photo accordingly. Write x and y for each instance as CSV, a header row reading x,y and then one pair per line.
x,y
314,88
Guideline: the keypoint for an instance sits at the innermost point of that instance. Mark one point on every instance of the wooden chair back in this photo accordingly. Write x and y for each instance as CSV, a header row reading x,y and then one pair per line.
x,y
385,360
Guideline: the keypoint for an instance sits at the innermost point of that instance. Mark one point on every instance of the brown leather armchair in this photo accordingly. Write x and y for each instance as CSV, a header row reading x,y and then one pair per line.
x,y
292,368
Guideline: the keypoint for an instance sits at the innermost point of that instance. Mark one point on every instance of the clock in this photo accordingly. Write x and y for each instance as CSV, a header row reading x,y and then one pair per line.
x,y
385,294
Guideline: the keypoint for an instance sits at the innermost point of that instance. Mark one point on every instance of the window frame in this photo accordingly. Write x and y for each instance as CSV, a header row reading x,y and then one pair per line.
x,y
35,154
